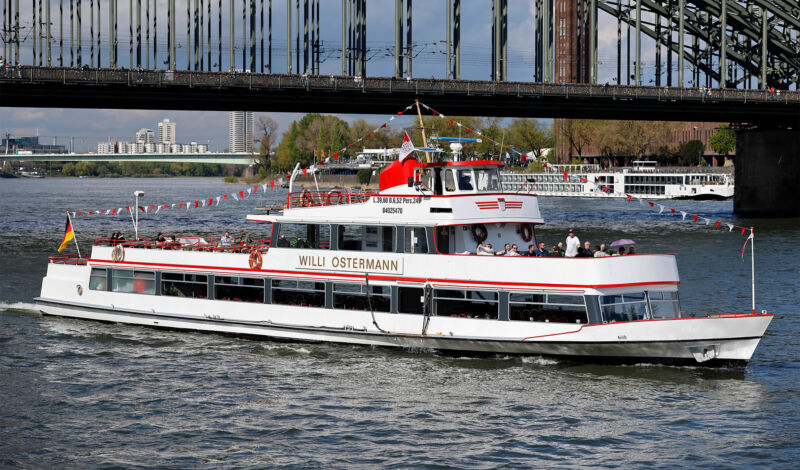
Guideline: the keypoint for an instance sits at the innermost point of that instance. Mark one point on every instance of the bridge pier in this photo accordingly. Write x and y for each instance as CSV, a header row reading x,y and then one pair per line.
x,y
767,173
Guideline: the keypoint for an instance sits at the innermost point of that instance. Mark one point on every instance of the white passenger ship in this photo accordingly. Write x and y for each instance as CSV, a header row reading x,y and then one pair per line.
x,y
642,180
399,269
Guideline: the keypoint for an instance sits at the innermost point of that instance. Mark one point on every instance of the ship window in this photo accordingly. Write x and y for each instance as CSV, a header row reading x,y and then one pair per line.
x,y
449,181
552,308
624,307
664,304
239,289
443,237
136,282
416,240
410,300
465,303
98,280
487,179
465,180
314,236
354,297
184,285
366,238
300,293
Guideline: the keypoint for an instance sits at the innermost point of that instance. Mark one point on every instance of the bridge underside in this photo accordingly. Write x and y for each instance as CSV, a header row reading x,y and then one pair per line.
x,y
43,87
767,172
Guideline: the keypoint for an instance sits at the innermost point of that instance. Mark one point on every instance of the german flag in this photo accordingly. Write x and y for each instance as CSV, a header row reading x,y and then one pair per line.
x,y
68,235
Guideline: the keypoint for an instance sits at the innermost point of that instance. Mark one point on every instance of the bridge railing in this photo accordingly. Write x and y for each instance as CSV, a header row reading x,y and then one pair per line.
x,y
418,86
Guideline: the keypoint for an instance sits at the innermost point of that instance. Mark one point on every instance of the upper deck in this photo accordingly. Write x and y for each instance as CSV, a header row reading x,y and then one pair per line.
x,y
414,193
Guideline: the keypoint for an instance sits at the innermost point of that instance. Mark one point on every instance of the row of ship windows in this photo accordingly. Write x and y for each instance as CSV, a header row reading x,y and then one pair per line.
x,y
461,303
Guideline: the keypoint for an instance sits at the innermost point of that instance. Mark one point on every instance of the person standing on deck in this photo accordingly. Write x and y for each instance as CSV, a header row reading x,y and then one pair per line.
x,y
572,243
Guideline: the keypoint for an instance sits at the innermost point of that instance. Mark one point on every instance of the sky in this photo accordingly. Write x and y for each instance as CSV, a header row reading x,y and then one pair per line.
x,y
87,127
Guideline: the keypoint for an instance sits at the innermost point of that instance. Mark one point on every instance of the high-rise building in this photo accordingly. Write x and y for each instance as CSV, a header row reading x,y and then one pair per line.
x,y
145,136
240,131
166,132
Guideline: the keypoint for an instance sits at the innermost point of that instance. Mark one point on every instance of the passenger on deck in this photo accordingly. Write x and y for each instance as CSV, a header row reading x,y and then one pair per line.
x,y
600,251
632,250
542,251
482,249
514,251
283,242
244,240
506,249
585,251
556,251
226,240
572,243
160,238
620,252
531,251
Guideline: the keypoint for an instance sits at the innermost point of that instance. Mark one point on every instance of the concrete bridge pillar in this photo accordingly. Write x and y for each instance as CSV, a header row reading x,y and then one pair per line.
x,y
767,173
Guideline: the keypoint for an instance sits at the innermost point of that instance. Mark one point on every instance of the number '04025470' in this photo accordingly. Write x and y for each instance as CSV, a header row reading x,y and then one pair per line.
x,y
392,210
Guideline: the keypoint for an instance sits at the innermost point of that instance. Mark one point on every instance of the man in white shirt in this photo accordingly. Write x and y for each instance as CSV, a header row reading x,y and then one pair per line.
x,y
573,243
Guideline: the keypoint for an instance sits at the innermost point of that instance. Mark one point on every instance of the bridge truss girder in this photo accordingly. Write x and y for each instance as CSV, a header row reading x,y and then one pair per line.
x,y
762,37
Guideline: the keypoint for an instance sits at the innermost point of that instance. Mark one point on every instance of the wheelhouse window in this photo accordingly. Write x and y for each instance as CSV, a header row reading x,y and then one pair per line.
x,y
416,240
366,238
354,297
313,236
465,303
184,285
134,282
239,289
298,293
445,238
449,181
465,182
549,308
487,179
98,280
624,307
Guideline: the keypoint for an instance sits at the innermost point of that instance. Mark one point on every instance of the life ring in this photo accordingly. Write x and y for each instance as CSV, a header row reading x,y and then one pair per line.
x,y
306,199
525,231
118,254
479,233
255,260
334,193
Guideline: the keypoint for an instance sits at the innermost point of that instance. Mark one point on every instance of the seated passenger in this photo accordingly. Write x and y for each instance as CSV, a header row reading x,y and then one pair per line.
x,y
632,250
244,239
226,240
620,252
485,249
542,251
531,250
283,242
513,251
600,251
160,238
585,251
506,250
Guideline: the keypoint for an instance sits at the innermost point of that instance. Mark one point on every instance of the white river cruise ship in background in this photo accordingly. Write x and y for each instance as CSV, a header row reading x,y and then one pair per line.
x,y
399,268
644,180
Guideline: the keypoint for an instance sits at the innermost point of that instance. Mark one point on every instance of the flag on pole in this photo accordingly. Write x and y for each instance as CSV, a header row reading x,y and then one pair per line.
x,y
68,235
407,148
743,246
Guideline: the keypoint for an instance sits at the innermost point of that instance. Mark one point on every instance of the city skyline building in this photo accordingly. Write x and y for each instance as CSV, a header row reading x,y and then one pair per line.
x,y
240,131
167,132
145,136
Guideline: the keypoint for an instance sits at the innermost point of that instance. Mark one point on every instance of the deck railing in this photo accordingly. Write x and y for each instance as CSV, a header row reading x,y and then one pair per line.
x,y
333,197
189,243
68,259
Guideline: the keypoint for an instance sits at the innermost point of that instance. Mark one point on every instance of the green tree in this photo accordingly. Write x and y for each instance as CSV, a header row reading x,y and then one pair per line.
x,y
690,152
723,140
529,135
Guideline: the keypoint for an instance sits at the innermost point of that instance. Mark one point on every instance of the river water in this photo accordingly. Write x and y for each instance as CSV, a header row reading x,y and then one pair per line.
x,y
84,394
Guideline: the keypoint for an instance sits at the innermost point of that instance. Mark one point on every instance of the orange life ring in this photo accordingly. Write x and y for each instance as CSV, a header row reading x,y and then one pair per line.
x,y
526,232
334,193
479,233
255,260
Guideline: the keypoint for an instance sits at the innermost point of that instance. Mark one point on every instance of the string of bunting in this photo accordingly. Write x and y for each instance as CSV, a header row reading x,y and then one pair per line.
x,y
695,218
177,206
